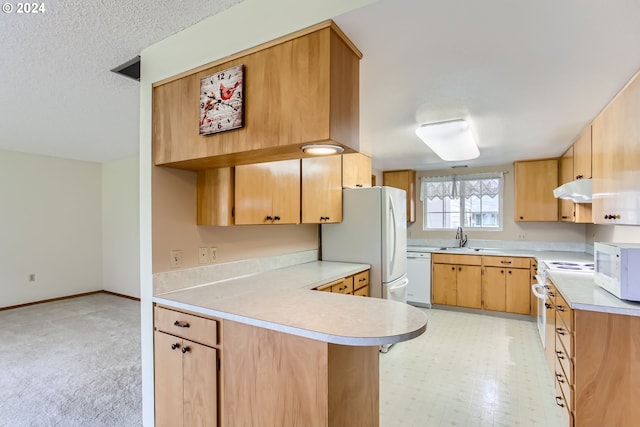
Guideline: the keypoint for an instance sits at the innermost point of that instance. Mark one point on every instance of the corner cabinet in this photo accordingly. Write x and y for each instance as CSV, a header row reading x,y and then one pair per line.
x,y
616,159
535,181
356,170
186,364
301,88
405,180
268,193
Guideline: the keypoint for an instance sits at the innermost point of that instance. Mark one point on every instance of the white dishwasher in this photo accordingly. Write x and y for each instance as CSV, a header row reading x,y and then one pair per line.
x,y
419,275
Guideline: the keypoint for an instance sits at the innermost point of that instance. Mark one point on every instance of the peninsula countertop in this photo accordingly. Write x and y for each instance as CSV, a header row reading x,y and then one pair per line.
x,y
283,300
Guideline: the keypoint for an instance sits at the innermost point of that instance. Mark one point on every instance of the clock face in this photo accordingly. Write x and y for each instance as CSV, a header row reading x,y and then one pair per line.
x,y
221,101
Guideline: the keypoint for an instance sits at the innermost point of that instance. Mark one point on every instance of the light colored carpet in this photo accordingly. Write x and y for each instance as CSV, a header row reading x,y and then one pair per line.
x,y
73,362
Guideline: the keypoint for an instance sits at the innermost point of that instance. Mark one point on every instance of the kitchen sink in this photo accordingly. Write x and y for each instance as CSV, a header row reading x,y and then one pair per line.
x,y
471,250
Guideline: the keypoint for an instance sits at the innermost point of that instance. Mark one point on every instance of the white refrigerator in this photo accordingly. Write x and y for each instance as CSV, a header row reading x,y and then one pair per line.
x,y
373,231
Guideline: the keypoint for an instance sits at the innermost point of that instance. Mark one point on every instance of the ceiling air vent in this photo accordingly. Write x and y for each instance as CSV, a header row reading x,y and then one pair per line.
x,y
129,69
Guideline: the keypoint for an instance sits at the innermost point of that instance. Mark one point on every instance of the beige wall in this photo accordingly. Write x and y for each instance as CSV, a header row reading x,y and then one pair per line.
x,y
613,233
174,227
511,230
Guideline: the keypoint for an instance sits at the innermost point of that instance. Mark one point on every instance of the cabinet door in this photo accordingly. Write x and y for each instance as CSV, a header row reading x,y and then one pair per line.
x,y
565,167
582,155
518,291
285,179
406,180
200,385
356,170
168,380
469,286
254,193
322,189
493,288
444,284
268,193
534,184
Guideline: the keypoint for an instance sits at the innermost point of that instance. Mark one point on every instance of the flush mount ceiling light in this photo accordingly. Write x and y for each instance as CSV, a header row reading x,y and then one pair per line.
x,y
451,140
322,149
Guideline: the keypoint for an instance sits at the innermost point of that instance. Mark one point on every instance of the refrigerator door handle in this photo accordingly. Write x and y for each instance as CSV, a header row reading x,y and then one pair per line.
x,y
391,248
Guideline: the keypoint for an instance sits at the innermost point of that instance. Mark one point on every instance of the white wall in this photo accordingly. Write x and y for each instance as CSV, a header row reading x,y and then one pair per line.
x,y
50,225
120,227
189,49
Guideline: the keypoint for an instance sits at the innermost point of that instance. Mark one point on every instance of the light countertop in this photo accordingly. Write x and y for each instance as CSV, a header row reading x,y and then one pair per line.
x,y
283,300
581,293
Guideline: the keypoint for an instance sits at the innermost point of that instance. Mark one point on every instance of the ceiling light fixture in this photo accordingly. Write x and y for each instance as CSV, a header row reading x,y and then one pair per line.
x,y
451,140
322,149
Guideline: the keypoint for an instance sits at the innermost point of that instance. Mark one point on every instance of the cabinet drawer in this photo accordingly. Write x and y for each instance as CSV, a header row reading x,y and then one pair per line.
x,y
343,286
193,328
564,337
565,388
457,259
361,280
325,288
567,413
502,261
565,360
563,311
362,292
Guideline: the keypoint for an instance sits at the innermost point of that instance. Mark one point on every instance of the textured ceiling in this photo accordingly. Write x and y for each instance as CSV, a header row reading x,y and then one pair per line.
x,y
57,94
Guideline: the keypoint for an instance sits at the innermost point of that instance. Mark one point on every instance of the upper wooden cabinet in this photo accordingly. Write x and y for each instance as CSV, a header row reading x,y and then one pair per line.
x,y
215,192
268,193
356,170
565,174
406,180
616,159
322,190
582,155
535,181
301,88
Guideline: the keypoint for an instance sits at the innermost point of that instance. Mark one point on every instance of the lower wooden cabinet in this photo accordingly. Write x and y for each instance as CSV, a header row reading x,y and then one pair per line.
x,y
488,282
186,371
357,284
457,280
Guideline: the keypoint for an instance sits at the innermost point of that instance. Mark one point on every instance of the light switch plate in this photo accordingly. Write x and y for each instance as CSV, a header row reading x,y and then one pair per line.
x,y
176,258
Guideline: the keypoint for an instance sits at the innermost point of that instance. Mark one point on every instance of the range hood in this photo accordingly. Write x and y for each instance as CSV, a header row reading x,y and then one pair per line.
x,y
579,191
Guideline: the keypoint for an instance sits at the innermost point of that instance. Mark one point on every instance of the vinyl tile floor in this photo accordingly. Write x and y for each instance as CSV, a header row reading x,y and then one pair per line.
x,y
468,369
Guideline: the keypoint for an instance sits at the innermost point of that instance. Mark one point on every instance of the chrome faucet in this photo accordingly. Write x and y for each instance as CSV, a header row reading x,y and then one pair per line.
x,y
461,238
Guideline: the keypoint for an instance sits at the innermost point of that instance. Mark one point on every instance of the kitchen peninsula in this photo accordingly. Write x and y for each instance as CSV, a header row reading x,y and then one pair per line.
x,y
286,354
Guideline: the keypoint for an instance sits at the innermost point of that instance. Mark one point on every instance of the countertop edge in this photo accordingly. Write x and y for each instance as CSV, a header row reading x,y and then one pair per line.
x,y
305,333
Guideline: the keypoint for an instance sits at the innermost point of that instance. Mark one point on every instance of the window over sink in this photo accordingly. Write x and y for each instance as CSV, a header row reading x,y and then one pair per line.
x,y
469,201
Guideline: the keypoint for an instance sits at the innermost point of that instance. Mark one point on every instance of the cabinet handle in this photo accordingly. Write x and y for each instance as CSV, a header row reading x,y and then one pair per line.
x,y
453,269
501,271
276,218
565,217
362,279
560,355
547,305
561,331
269,218
505,262
186,349
181,324
343,288
579,176
509,271
559,377
521,217
359,185
174,346
560,308
459,268
559,401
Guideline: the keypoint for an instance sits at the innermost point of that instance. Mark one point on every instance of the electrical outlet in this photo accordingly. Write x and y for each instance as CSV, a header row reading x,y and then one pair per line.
x,y
176,258
213,255
522,236
203,255
32,277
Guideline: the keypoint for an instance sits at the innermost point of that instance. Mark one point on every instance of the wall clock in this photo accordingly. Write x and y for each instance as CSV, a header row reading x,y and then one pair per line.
x,y
221,101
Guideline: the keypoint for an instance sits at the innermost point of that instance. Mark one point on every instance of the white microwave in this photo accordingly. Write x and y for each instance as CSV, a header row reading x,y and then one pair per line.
x,y
617,269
